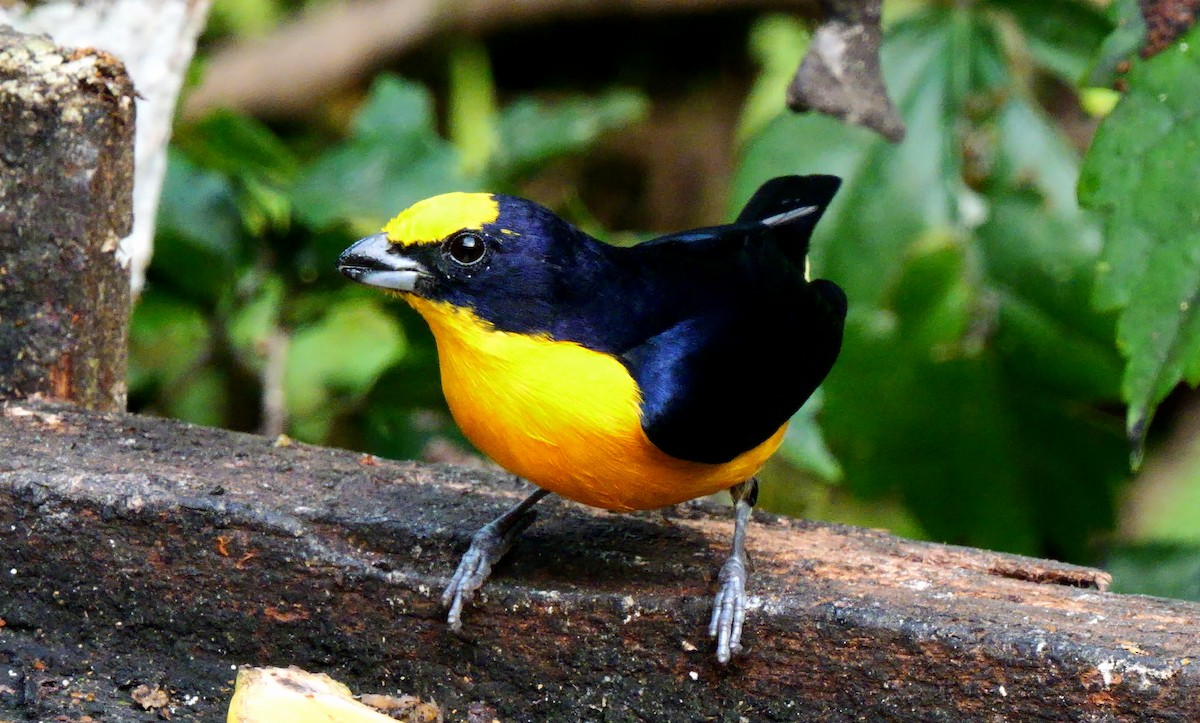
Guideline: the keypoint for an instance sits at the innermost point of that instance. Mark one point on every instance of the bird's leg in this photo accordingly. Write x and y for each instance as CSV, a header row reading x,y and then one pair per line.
x,y
729,609
487,547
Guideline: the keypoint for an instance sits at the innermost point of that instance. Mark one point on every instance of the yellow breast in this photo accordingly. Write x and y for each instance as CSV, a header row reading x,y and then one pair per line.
x,y
564,417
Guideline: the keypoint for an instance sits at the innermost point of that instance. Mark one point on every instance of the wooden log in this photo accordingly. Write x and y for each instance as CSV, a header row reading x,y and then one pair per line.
x,y
156,60
66,175
144,552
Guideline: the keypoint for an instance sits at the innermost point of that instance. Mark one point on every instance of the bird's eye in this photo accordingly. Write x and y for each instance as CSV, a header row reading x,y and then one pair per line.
x,y
466,249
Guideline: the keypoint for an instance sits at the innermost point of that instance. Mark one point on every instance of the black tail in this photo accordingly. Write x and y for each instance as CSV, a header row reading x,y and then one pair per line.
x,y
793,205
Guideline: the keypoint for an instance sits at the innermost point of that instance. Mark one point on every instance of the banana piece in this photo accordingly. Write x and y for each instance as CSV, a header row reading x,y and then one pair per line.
x,y
271,695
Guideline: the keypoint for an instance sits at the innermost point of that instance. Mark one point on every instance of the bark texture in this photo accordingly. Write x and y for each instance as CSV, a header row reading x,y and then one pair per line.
x,y
66,178
841,74
144,552
155,39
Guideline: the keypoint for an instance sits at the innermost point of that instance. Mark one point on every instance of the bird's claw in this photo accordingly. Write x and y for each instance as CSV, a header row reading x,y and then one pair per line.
x,y
473,569
487,547
729,609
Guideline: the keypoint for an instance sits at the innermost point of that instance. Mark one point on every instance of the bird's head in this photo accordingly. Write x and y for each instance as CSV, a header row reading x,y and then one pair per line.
x,y
505,259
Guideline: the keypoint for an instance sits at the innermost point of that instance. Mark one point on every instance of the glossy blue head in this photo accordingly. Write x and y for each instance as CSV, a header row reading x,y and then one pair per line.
x,y
512,262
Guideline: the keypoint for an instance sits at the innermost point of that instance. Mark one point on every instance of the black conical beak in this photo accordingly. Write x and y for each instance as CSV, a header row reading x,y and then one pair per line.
x,y
375,261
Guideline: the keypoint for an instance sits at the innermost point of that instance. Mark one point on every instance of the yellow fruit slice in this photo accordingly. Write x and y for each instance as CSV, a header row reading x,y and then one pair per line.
x,y
272,695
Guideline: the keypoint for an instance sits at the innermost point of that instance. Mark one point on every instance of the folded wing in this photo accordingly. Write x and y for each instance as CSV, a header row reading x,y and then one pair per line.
x,y
750,339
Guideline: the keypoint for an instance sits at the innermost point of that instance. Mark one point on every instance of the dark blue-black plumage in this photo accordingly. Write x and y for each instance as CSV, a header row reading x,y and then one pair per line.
x,y
718,326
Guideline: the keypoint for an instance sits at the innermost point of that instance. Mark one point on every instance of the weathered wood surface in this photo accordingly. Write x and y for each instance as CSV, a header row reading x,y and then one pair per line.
x,y
66,175
154,40
136,550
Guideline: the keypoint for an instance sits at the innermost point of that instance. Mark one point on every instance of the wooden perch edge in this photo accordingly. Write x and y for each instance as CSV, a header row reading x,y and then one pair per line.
x,y
136,550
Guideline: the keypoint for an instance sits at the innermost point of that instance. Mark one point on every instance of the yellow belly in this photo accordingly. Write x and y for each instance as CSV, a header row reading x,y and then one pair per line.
x,y
564,417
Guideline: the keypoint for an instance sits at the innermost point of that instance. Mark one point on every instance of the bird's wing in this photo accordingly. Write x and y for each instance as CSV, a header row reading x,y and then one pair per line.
x,y
717,385
746,339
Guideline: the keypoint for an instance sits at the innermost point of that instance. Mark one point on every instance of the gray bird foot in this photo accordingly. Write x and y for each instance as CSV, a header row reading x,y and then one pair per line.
x,y
488,545
729,609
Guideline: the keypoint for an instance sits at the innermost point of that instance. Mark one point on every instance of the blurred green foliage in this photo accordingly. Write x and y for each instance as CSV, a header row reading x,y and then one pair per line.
x,y
1156,568
996,327
975,375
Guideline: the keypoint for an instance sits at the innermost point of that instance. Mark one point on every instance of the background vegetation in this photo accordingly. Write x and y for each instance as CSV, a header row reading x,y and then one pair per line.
x,y
1006,347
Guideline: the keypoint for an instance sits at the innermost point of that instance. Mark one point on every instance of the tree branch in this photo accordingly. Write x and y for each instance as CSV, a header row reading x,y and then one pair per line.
x,y
841,75
215,549
261,76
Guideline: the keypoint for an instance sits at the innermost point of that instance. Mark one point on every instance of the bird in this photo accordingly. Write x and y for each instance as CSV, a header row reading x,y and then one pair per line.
x,y
620,377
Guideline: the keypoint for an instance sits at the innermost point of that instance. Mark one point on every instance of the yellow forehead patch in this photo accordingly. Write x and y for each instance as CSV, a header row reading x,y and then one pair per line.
x,y
434,219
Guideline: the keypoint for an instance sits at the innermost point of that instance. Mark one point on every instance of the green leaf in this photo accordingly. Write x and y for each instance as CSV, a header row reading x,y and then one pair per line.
x,y
406,409
531,132
257,164
341,354
915,403
251,324
204,399
244,17
1127,37
394,156
1062,35
1039,265
199,235
974,372
392,159
1143,174
170,345
830,501
778,43
237,146
167,339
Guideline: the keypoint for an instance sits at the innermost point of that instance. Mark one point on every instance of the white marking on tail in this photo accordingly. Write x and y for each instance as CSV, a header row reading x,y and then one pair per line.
x,y
788,216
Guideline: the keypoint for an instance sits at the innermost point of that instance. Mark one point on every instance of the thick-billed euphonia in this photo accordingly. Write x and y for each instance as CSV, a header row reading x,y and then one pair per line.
x,y
623,378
